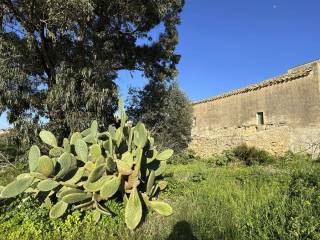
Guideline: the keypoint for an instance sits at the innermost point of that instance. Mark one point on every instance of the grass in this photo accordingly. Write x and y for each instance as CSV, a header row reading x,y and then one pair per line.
x,y
271,201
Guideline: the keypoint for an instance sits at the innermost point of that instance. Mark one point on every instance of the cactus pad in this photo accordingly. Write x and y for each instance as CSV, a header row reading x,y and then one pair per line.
x,y
133,210
48,138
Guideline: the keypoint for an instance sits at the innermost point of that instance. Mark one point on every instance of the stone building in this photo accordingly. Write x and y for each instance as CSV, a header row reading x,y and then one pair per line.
x,y
279,114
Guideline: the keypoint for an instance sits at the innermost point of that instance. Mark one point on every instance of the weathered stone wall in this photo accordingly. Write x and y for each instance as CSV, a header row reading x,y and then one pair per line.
x,y
291,109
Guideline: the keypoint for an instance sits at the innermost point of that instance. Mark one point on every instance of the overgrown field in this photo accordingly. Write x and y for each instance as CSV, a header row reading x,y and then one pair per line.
x,y
278,199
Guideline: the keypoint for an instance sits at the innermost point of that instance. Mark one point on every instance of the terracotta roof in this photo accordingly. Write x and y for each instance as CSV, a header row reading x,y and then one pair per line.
x,y
273,81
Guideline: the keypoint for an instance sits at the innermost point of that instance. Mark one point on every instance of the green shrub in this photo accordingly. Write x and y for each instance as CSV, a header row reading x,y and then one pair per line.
x,y
220,160
185,157
289,156
226,157
251,155
210,161
196,177
93,167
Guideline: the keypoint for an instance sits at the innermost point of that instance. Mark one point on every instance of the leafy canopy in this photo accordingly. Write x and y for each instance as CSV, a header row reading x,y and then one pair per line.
x,y
165,110
59,59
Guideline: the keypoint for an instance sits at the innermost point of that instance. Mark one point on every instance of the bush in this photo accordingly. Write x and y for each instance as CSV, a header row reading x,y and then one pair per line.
x,y
210,161
185,157
251,155
289,156
225,158
92,168
222,159
196,177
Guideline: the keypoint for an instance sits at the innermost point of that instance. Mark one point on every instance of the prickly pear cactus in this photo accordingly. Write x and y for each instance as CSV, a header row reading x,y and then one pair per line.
x,y
93,167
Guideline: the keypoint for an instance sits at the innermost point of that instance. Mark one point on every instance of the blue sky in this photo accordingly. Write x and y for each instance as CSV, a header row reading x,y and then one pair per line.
x,y
229,44
233,43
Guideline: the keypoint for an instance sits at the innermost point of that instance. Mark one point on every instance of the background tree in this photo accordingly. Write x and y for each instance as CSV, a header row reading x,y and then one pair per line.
x,y
165,110
59,59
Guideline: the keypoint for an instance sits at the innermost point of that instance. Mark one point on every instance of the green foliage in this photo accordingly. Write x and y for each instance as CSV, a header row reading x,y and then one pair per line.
x,y
171,122
222,159
242,154
96,169
184,157
234,202
196,177
10,154
260,202
294,214
306,184
226,157
19,220
62,66
252,155
9,174
290,157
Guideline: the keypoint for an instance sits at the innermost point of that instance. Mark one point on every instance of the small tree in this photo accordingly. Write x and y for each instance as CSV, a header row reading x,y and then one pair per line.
x,y
166,110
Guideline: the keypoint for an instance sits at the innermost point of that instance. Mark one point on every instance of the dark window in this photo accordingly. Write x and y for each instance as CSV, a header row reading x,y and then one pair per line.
x,y
260,118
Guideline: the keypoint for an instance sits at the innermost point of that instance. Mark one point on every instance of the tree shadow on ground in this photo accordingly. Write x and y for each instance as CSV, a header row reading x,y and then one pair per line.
x,y
182,231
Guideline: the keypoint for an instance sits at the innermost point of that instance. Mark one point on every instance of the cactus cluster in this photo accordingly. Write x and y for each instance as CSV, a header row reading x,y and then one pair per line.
x,y
93,167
